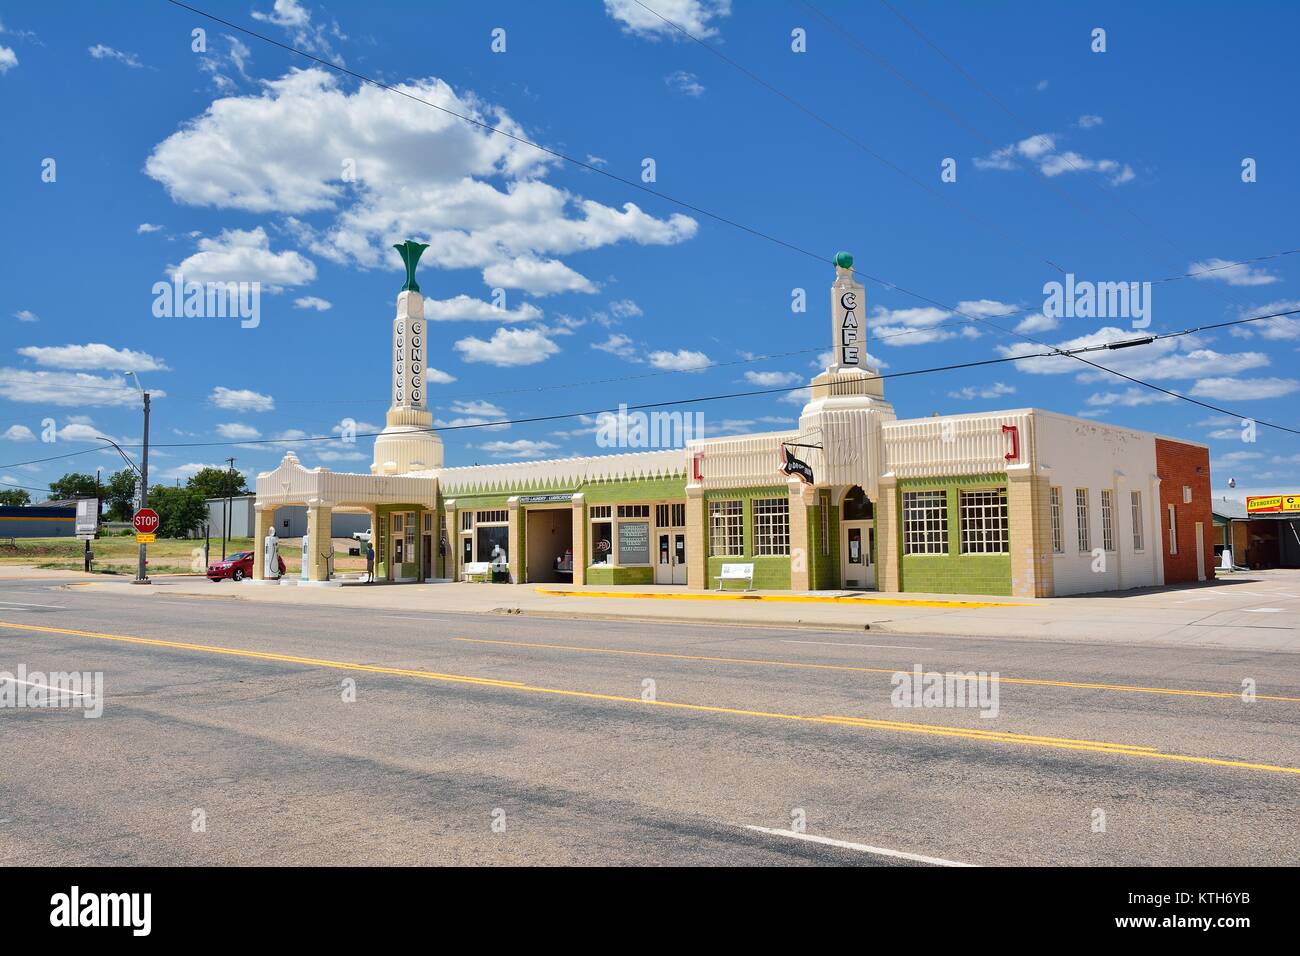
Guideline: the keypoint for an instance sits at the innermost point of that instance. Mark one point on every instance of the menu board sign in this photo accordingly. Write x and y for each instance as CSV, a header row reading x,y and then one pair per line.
x,y
634,542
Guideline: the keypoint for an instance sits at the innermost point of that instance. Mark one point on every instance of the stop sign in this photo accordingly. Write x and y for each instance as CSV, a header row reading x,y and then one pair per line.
x,y
145,521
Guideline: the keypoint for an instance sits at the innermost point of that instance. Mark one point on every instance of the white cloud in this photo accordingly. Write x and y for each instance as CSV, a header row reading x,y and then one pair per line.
x,y
996,390
520,448
241,400
694,16
688,84
1041,150
477,198
26,315
313,302
1132,397
683,360
92,356
1244,389
772,379
620,345
508,348
292,17
101,52
146,227
1277,328
80,430
468,309
1233,273
1089,120
1179,358
540,277
625,309
479,408
436,376
68,388
17,433
1038,322
244,255
1040,85
238,431
8,59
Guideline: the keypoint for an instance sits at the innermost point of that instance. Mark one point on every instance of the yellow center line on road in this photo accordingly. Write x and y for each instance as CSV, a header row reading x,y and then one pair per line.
x,y
937,730
1081,685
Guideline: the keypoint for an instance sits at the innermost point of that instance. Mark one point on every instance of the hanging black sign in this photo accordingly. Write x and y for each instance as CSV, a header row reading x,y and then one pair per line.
x,y
795,466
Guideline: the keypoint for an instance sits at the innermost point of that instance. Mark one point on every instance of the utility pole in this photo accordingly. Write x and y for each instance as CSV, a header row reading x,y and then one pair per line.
x,y
229,507
141,577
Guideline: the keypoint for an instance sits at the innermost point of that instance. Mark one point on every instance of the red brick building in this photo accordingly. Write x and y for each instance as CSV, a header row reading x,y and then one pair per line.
x,y
1186,521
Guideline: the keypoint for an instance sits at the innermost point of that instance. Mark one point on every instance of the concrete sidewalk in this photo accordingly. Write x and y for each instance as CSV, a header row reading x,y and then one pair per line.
x,y
1259,610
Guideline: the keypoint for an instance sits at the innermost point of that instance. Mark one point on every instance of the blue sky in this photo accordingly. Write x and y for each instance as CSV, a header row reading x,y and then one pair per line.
x,y
244,162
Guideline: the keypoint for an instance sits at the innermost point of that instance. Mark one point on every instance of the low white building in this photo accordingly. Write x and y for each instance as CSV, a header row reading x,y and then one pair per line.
x,y
1022,502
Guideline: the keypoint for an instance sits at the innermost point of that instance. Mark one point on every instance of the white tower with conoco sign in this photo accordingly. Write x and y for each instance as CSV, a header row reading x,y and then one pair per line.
x,y
408,442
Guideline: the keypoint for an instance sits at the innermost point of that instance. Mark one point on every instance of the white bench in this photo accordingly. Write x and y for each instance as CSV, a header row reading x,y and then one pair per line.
x,y
736,572
474,569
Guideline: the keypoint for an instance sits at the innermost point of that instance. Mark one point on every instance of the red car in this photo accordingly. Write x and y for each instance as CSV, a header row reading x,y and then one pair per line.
x,y
236,567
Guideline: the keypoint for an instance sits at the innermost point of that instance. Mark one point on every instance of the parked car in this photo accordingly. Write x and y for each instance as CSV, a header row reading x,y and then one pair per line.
x,y
236,567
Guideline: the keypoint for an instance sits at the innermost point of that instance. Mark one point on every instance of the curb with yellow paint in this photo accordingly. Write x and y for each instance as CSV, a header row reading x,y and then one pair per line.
x,y
775,598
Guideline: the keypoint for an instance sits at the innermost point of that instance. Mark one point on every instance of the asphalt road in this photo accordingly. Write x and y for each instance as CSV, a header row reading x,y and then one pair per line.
x,y
505,740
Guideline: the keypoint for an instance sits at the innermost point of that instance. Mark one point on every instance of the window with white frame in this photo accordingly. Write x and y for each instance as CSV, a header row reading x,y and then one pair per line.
x,y
771,525
1107,521
1081,515
467,521
494,517
726,528
1135,499
1058,539
925,522
1173,532
601,512
634,511
983,517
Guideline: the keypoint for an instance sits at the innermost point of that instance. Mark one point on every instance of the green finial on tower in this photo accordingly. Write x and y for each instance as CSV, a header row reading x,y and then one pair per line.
x,y
410,251
844,260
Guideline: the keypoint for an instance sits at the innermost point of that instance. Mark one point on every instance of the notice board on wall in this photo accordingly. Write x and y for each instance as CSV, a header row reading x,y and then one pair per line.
x,y
634,542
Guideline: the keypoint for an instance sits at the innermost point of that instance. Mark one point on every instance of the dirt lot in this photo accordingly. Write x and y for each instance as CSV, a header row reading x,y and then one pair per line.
x,y
117,554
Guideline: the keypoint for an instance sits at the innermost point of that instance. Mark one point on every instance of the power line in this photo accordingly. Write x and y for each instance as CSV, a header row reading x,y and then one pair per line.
x,y
641,187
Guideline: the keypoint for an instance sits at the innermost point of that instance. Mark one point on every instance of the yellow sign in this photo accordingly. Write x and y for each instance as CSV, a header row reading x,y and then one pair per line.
x,y
145,538
1273,504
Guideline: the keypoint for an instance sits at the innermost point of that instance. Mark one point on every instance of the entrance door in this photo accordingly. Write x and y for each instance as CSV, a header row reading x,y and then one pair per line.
x,y
426,557
664,562
1200,551
670,557
857,547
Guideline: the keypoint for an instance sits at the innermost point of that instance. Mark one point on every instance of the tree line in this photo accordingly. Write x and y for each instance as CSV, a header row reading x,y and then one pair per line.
x,y
181,510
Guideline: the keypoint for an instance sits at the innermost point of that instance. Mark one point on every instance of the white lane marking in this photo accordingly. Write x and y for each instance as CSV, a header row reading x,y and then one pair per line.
x,y
57,690
860,847
901,647
15,605
1263,610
